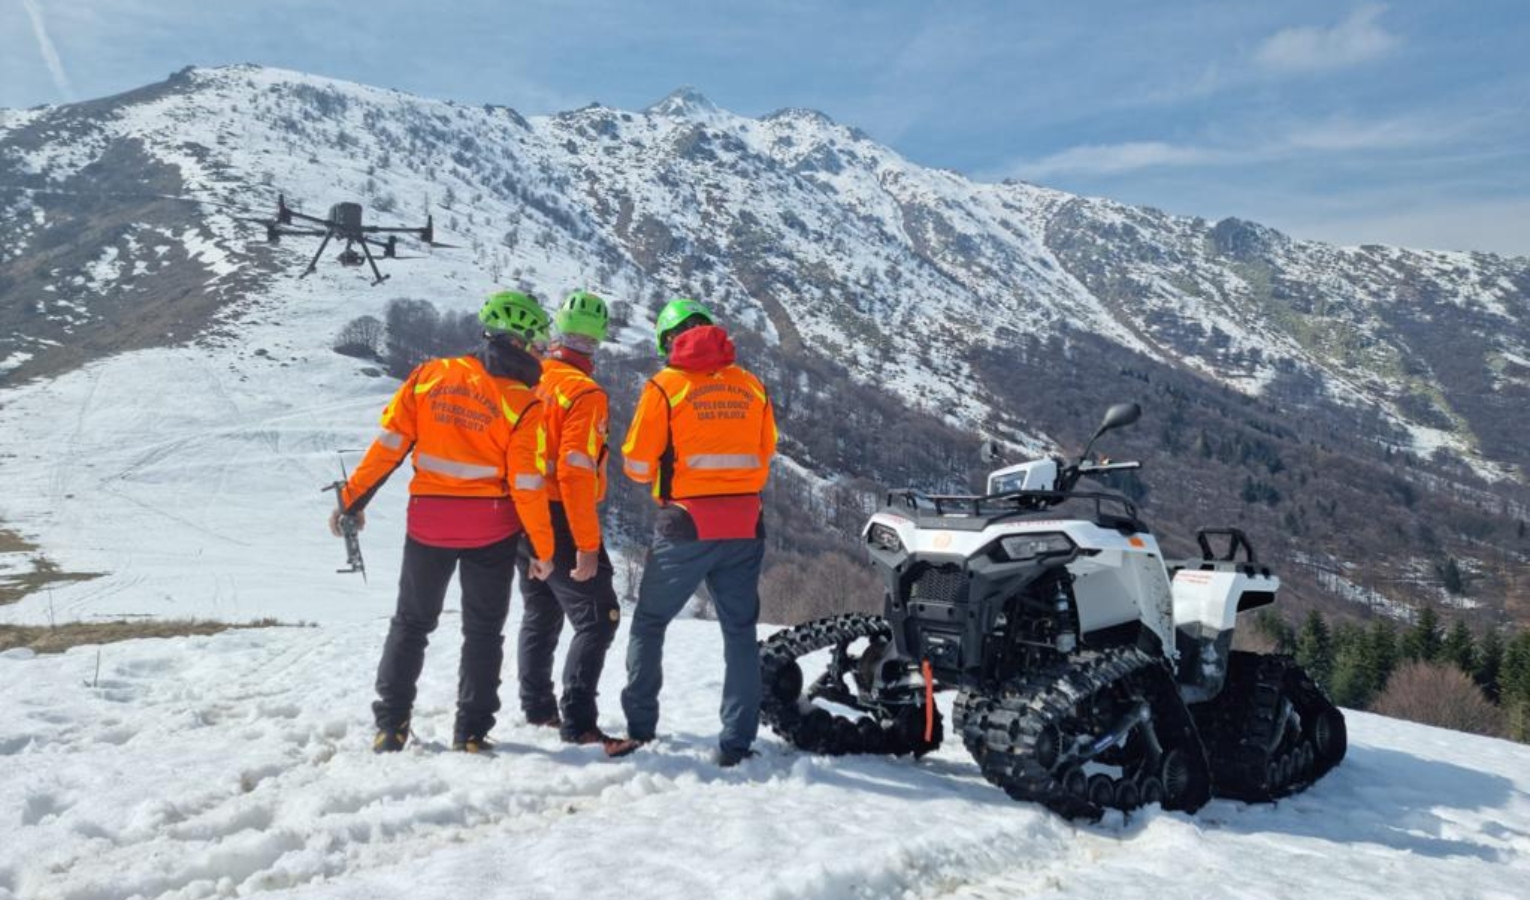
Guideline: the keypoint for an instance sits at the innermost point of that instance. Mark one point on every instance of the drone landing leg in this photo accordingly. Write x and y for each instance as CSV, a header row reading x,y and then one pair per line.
x,y
315,261
368,251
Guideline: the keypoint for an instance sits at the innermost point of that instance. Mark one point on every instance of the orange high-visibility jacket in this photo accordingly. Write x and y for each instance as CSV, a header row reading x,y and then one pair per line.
x,y
471,435
576,415
701,434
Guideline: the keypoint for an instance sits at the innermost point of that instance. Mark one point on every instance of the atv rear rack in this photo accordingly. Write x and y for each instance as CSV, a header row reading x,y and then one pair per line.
x,y
996,507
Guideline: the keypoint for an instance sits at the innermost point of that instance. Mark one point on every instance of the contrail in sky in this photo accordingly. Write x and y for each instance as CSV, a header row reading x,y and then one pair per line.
x,y
49,52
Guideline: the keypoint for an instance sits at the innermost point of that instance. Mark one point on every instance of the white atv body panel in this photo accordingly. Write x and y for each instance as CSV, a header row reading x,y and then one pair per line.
x,y
1036,475
1118,578
1207,600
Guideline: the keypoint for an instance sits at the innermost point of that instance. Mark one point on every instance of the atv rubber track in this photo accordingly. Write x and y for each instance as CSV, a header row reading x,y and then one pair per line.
x,y
1016,736
1260,751
887,730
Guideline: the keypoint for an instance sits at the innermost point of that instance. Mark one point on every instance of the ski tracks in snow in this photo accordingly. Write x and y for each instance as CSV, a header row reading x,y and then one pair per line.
x,y
237,764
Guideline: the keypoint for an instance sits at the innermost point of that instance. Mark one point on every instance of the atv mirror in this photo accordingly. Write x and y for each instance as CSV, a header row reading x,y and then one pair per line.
x,y
1119,415
991,452
1116,417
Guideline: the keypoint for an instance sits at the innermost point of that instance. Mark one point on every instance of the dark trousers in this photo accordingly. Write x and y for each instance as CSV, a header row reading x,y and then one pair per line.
x,y
677,565
592,610
485,574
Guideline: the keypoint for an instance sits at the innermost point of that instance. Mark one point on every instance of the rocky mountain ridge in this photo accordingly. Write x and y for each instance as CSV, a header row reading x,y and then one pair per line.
x,y
1009,309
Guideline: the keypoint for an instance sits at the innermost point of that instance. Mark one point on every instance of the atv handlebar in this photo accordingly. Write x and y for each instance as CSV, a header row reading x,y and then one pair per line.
x,y
1091,468
1068,478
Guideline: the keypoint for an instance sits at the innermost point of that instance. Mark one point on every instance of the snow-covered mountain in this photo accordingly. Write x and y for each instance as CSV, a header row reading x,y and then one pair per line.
x,y
808,225
962,303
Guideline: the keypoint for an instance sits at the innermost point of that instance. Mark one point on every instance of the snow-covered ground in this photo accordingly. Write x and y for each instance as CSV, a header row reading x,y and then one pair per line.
x,y
237,765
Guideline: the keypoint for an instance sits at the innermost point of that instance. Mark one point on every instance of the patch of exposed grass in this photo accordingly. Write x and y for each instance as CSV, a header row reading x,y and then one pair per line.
x,y
58,638
44,572
11,542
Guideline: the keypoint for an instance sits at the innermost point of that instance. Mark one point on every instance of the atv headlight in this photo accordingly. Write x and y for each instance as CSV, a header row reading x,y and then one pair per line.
x,y
1021,547
883,537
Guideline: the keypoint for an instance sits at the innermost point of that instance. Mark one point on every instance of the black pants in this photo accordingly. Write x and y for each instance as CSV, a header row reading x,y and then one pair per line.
x,y
591,608
485,574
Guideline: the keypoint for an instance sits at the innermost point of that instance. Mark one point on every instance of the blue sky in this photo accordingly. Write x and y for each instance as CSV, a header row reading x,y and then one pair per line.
x,y
1402,122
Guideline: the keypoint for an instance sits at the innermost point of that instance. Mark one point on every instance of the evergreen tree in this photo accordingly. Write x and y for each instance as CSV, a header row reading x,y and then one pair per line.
x,y
1314,649
1515,674
1422,641
1515,682
1451,577
1352,679
1489,663
1273,626
1459,648
1380,655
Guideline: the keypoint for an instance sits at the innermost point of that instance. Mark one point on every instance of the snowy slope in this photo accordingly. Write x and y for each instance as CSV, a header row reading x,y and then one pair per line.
x,y
237,765
804,227
190,473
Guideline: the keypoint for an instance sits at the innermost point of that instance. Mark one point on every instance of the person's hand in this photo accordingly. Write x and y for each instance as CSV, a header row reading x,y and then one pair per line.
x,y
540,569
587,561
359,517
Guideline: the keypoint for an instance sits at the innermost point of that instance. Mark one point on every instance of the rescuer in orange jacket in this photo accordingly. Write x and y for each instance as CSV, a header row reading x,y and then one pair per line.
x,y
702,438
575,412
472,426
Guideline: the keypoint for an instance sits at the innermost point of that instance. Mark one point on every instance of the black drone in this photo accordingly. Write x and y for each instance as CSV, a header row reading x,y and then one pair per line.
x,y
344,223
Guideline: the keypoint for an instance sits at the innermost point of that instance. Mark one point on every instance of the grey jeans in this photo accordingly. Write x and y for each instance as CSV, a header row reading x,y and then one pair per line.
x,y
731,570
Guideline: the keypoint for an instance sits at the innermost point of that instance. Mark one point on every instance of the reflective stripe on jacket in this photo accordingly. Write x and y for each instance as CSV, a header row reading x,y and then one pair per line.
x,y
471,434
576,415
701,432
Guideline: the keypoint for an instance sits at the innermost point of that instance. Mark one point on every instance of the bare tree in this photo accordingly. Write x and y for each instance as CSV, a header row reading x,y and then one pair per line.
x,y
797,587
1440,695
361,337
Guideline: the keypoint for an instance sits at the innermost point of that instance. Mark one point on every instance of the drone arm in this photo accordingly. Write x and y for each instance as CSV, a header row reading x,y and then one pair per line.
x,y
306,218
315,261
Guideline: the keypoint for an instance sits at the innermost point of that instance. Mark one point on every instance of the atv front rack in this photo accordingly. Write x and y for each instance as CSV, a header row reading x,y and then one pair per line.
x,y
989,508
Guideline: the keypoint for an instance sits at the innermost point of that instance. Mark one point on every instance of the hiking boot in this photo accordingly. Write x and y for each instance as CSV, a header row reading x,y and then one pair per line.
x,y
614,746
391,740
552,721
730,758
473,745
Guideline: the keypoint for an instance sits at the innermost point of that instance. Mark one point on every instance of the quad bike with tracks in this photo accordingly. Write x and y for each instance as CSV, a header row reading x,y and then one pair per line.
x,y
1091,674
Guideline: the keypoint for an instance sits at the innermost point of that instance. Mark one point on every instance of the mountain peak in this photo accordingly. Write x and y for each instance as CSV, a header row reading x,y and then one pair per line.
x,y
797,112
684,102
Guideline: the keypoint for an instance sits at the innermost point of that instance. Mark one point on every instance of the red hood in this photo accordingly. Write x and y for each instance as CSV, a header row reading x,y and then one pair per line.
x,y
571,356
705,348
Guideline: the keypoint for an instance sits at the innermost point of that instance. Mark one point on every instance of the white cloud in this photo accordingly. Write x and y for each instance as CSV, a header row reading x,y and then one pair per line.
x,y
1110,159
49,52
1357,39
1335,135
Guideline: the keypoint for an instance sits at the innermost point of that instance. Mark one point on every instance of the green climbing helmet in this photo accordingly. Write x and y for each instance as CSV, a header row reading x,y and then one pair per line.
x,y
583,313
512,312
676,313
